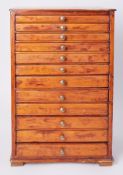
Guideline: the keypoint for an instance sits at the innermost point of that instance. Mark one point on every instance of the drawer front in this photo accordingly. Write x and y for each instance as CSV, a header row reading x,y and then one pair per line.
x,y
65,58
61,70
64,122
62,109
62,37
61,150
62,28
61,47
63,96
62,19
61,81
62,136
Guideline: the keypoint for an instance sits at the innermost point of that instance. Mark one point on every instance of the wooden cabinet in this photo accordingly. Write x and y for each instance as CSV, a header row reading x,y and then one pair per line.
x,y
62,85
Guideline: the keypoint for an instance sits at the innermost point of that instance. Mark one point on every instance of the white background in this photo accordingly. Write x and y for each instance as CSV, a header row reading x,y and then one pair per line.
x,y
5,92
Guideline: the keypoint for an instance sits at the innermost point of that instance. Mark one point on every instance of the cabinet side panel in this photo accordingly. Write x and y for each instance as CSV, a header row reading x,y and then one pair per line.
x,y
111,76
13,101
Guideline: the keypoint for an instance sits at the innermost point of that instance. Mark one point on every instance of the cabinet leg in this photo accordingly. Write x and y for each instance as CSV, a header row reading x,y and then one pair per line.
x,y
16,163
106,162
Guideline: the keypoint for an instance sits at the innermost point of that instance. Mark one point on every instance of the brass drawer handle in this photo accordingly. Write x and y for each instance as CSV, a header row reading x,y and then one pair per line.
x,y
63,28
62,153
63,37
62,69
62,138
62,18
62,82
63,48
62,123
62,110
62,58
62,98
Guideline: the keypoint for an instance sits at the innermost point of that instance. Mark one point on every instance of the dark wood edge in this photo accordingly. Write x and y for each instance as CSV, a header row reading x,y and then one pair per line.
x,y
111,76
13,114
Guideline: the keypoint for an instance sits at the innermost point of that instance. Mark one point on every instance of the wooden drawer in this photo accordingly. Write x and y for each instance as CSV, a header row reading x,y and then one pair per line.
x,y
38,37
60,47
62,96
58,58
64,122
61,70
36,151
62,109
27,82
62,28
62,136
62,19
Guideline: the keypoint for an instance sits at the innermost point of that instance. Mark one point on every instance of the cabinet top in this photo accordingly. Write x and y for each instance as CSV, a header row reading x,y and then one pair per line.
x,y
57,11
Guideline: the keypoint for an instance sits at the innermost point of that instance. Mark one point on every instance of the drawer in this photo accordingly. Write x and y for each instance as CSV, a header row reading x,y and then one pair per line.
x,y
62,96
37,151
61,109
62,136
38,37
58,58
61,69
62,28
62,47
37,82
63,122
62,19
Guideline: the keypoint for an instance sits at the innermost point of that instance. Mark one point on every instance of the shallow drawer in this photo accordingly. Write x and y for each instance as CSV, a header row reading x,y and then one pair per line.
x,y
61,69
58,58
64,122
28,82
63,96
36,151
62,136
62,37
62,28
62,19
62,47
61,109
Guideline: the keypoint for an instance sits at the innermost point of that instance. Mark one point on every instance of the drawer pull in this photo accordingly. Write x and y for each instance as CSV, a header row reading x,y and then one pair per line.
x,y
62,110
62,18
62,82
62,58
62,69
62,138
62,123
63,28
63,48
62,153
63,37
62,98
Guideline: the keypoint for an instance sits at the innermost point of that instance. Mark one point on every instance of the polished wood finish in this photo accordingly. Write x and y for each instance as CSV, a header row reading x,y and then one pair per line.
x,y
62,85
64,122
76,96
54,58
83,150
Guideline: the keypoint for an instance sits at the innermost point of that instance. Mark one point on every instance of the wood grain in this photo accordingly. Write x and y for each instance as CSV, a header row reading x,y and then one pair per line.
x,y
37,37
61,70
54,122
61,136
54,109
33,151
54,58
75,96
28,82
68,19
56,47
56,27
